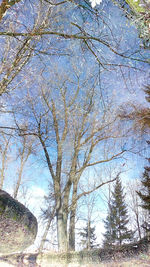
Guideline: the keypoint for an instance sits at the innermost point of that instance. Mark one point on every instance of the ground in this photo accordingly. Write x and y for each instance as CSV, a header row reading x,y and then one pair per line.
x,y
141,260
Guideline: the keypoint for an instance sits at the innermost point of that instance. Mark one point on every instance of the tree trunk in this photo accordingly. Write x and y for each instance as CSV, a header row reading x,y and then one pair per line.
x,y
72,217
23,159
88,241
2,178
138,225
51,217
4,161
62,217
72,230
18,182
45,234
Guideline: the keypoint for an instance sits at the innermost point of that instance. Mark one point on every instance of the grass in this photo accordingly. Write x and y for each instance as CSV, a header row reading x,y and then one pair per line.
x,y
130,255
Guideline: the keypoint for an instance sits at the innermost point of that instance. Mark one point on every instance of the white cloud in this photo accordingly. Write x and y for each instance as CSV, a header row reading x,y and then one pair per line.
x,y
32,198
95,2
36,199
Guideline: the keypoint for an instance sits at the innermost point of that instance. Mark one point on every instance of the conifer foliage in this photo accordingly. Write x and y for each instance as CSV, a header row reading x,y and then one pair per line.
x,y
109,234
117,219
88,236
144,194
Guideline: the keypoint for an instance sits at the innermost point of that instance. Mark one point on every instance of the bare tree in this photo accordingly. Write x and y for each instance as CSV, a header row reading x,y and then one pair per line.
x,y
134,203
4,151
16,53
48,215
137,113
70,128
5,5
24,151
88,215
21,39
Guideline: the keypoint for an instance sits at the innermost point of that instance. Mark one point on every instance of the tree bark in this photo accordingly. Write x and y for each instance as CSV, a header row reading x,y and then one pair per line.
x,y
72,229
138,225
4,162
62,217
72,218
88,241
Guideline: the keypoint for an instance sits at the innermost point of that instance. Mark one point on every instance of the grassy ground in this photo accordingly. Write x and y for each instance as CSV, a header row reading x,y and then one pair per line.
x,y
125,257
141,261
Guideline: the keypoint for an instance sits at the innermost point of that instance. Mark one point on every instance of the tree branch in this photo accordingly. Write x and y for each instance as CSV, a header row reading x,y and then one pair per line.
x,y
72,36
5,5
101,161
95,188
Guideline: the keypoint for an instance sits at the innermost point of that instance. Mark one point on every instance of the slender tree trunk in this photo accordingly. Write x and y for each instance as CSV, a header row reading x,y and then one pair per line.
x,y
138,225
18,181
2,176
44,235
23,155
46,231
119,235
88,244
4,162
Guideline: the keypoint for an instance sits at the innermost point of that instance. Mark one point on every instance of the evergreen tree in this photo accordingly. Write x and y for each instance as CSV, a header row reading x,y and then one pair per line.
x,y
144,194
88,236
117,218
109,234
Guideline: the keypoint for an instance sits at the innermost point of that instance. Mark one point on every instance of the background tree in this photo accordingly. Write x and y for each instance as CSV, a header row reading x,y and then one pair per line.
x,y
144,195
24,151
23,42
139,114
135,211
16,53
88,236
88,215
48,215
137,214
138,14
5,155
117,219
109,235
